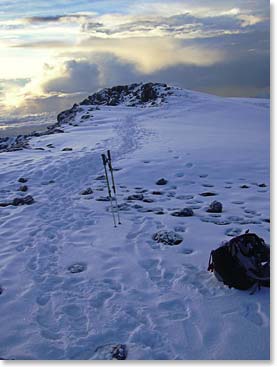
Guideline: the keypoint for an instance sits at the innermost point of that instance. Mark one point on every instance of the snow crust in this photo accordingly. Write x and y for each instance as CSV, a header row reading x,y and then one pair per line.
x,y
158,300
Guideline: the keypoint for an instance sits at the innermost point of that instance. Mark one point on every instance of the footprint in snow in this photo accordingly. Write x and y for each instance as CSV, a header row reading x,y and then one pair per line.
x,y
189,165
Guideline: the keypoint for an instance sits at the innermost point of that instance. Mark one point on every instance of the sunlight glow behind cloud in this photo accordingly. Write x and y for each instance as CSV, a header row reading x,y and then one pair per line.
x,y
127,41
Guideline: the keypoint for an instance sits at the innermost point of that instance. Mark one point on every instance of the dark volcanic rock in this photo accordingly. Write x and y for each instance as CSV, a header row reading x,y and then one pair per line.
x,y
162,181
111,351
22,180
244,187
186,212
77,268
208,193
215,207
135,197
27,200
170,238
67,149
23,188
87,191
148,200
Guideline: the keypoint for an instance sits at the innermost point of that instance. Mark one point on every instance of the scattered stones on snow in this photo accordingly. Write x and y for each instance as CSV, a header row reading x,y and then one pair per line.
x,y
77,268
186,212
87,191
170,238
162,181
215,207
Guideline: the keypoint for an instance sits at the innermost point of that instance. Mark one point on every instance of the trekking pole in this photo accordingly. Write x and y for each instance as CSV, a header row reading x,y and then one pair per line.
x,y
113,183
105,161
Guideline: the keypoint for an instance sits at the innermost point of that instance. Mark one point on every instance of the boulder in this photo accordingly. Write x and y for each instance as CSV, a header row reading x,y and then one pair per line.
x,y
162,181
215,207
170,238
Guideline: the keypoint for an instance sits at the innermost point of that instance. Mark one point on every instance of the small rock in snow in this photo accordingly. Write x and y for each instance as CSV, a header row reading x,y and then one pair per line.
x,y
244,187
148,200
111,351
170,238
135,197
215,207
87,191
67,149
157,193
208,193
186,212
162,181
22,180
77,268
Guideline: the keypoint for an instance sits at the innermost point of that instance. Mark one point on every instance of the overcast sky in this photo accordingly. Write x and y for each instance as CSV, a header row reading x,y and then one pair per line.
x,y
55,53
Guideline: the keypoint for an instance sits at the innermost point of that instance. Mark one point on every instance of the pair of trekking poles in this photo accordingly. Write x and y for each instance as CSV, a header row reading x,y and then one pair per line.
x,y
107,161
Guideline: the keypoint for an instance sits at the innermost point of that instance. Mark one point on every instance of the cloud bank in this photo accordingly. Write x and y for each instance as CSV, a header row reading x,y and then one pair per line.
x,y
63,54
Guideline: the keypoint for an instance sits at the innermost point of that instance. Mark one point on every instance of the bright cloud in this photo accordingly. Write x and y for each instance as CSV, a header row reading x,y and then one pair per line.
x,y
67,53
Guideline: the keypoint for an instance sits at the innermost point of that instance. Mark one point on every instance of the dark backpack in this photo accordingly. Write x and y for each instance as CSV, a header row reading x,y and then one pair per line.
x,y
242,262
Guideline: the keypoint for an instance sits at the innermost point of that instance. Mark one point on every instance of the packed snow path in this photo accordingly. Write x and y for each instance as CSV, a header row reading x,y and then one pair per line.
x,y
158,300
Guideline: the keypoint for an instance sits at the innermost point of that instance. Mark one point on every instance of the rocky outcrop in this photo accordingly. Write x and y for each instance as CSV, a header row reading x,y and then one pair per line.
x,y
151,94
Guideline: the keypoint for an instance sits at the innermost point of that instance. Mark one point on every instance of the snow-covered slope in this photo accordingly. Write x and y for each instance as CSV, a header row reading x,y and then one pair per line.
x,y
157,300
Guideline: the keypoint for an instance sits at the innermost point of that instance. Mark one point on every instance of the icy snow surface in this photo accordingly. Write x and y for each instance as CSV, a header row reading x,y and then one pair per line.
x,y
73,285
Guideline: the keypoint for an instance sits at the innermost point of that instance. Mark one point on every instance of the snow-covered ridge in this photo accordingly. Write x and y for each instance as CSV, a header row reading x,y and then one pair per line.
x,y
133,95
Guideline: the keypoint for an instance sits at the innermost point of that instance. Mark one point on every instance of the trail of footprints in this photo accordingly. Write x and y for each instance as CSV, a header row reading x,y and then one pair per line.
x,y
66,321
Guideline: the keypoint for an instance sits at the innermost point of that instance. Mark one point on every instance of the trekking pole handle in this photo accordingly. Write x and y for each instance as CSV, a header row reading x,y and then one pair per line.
x,y
109,155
